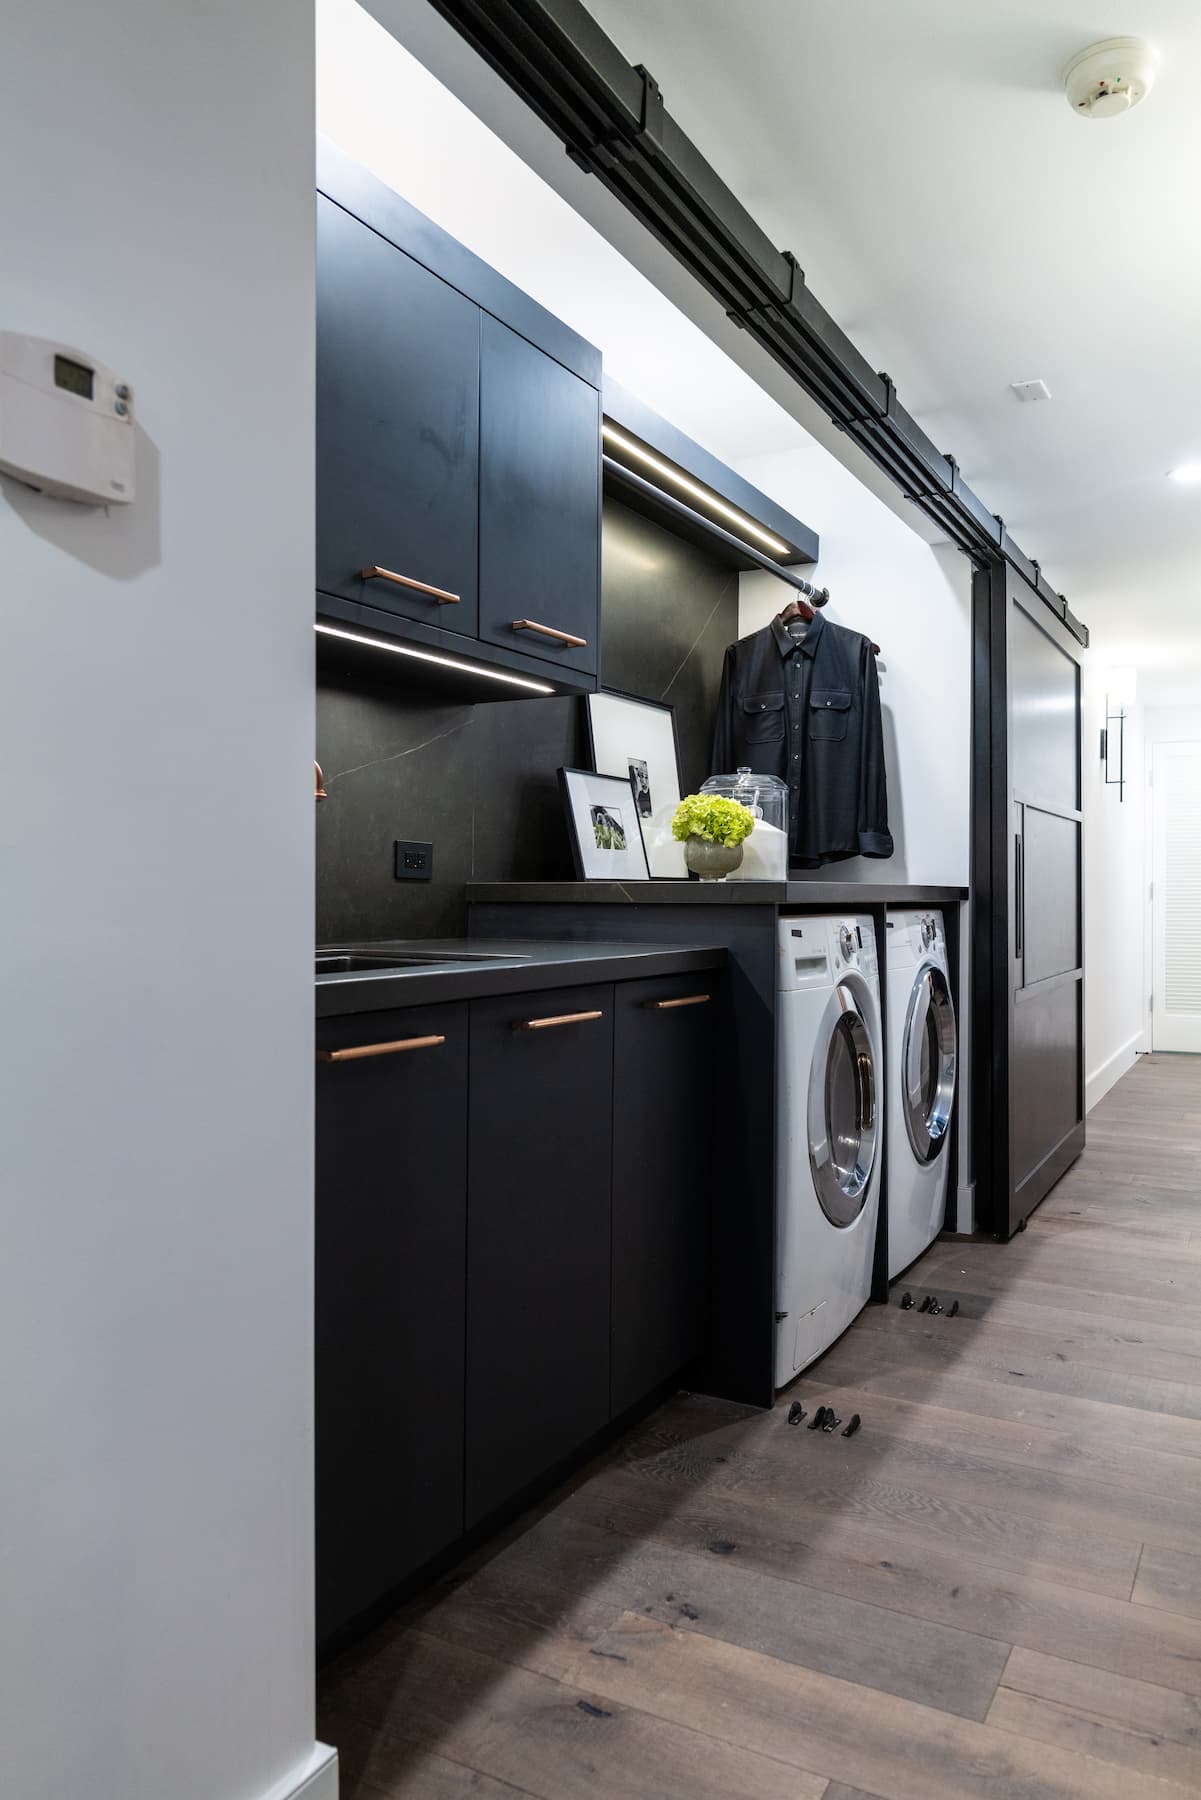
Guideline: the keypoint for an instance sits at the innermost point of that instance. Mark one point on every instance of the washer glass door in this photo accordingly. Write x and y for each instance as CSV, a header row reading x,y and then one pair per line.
x,y
842,1110
928,1059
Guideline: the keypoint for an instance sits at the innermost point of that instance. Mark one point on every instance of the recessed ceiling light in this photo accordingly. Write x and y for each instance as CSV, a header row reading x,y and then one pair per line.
x,y
1188,474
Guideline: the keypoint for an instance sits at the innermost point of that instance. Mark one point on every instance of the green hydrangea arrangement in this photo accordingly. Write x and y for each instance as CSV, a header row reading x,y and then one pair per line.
x,y
714,818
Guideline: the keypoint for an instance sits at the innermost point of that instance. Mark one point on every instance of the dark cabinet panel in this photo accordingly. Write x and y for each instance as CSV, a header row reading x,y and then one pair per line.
x,y
1046,1083
538,1237
1051,868
390,1256
663,1167
539,502
397,428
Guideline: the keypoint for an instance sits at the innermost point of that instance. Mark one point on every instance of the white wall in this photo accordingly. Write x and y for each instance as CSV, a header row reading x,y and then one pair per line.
x,y
1115,891
1178,722
156,882
913,600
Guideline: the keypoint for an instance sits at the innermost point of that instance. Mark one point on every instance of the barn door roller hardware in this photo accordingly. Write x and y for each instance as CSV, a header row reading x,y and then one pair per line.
x,y
611,117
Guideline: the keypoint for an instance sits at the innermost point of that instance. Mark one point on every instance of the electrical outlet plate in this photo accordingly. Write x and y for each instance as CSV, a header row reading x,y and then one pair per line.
x,y
414,861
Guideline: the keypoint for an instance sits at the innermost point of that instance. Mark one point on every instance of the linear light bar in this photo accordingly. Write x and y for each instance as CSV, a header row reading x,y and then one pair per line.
x,y
745,525
1188,474
443,662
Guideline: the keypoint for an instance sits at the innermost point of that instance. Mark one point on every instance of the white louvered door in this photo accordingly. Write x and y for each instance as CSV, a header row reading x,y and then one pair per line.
x,y
1176,899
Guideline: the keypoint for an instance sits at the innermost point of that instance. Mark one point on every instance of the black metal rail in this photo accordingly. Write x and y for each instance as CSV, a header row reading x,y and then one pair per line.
x,y
611,117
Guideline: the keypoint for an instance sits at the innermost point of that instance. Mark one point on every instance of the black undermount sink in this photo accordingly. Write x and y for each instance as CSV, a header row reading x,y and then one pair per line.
x,y
378,962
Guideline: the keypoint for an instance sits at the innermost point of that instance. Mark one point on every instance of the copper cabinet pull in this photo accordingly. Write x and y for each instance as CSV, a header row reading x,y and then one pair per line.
x,y
441,595
562,1019
560,637
670,1005
357,1051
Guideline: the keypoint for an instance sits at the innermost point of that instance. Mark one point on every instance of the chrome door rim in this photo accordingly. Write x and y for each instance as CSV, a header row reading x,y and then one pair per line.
x,y
842,1153
930,1021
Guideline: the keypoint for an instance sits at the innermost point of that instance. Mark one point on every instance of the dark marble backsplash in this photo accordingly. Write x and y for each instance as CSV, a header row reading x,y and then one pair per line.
x,y
481,782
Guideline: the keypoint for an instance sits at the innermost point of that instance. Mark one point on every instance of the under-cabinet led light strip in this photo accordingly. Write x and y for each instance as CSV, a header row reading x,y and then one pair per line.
x,y
747,526
443,662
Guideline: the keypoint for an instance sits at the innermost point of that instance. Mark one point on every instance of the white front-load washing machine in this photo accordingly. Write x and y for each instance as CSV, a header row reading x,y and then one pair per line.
x,y
923,1054
828,1131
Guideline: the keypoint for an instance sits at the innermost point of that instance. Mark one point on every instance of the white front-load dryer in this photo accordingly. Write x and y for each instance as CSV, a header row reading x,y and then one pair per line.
x,y
829,1131
922,1062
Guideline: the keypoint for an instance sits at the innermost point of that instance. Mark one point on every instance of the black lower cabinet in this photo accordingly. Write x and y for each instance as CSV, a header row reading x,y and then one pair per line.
x,y
664,1082
538,1243
390,1248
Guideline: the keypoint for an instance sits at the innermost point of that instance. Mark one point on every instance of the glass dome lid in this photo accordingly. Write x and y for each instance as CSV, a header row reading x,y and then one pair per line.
x,y
764,795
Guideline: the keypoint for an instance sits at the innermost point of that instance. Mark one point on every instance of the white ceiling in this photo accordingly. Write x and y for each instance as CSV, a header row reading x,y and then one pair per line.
x,y
968,232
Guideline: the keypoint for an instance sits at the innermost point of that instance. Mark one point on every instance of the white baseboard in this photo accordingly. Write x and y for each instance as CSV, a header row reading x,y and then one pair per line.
x,y
316,1778
962,1217
1101,1080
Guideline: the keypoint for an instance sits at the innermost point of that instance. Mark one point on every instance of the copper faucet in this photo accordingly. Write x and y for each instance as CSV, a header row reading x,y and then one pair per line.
x,y
319,792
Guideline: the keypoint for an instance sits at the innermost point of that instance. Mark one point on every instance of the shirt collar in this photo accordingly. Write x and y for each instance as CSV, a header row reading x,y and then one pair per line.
x,y
808,644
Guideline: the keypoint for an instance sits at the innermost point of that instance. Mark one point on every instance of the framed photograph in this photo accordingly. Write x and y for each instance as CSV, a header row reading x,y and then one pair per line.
x,y
636,740
606,837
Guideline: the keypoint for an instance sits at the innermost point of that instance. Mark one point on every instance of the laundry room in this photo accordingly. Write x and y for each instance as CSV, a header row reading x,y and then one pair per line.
x,y
631,1260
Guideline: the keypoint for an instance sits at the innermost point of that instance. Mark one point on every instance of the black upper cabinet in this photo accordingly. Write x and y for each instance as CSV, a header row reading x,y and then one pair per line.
x,y
664,1166
539,495
537,1236
398,388
391,1215
458,447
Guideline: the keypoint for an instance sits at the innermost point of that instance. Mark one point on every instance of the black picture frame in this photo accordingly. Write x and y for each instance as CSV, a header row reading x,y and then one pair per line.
x,y
670,859
603,792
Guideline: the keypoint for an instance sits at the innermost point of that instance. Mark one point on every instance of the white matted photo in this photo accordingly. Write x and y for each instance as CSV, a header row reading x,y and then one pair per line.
x,y
636,739
606,837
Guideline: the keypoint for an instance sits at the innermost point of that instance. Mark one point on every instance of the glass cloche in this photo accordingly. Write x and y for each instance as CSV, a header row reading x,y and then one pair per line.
x,y
765,851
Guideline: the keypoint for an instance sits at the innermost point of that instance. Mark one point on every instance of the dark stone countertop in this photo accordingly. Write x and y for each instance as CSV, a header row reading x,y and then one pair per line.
x,y
519,966
818,892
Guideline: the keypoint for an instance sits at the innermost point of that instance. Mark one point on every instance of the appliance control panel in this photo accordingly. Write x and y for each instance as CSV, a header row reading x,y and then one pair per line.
x,y
853,945
66,422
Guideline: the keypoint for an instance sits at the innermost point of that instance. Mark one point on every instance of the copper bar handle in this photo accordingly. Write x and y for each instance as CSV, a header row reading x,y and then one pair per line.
x,y
562,1019
670,1005
441,595
560,637
357,1051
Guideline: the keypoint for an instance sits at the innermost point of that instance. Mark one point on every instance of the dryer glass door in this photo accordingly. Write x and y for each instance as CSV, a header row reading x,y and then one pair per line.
x,y
928,1063
842,1110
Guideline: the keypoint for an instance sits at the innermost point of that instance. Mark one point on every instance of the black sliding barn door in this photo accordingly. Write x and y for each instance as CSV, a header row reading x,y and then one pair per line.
x,y
1027,876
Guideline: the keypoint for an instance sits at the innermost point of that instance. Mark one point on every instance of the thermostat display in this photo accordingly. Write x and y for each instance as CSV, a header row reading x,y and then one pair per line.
x,y
66,422
75,377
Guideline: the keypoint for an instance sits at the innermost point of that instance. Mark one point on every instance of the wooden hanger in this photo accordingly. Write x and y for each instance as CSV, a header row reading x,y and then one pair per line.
x,y
801,609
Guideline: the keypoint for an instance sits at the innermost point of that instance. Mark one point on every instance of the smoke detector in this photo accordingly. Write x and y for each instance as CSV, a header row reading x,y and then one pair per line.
x,y
1110,77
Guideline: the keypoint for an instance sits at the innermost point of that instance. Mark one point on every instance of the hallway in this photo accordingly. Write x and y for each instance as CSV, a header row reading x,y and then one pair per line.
x,y
993,1589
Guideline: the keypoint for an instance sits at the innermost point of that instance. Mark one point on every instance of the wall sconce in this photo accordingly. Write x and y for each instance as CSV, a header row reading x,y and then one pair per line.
x,y
1120,688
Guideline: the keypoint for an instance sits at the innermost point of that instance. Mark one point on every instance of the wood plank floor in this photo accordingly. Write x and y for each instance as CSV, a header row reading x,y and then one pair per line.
x,y
993,1589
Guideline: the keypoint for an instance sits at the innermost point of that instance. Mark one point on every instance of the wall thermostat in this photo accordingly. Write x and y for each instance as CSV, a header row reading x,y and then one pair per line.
x,y
66,422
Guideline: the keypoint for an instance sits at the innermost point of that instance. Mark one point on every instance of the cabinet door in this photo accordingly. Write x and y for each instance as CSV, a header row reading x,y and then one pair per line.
x,y
390,1247
539,502
537,1236
397,428
664,1161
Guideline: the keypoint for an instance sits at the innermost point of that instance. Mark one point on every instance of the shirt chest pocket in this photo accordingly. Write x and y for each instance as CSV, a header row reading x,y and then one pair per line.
x,y
829,709
763,718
